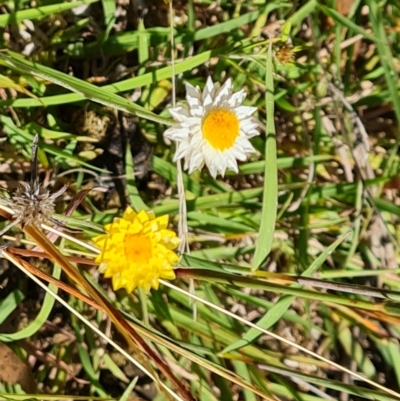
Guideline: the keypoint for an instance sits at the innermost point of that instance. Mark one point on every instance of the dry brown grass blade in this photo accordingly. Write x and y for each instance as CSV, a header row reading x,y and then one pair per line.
x,y
136,343
358,316
60,284
37,254
138,329
381,316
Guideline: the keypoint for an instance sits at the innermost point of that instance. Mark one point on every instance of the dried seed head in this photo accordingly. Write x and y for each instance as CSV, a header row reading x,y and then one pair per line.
x,y
33,204
285,54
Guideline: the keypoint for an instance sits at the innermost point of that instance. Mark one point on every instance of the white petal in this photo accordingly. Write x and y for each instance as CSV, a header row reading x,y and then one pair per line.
x,y
245,144
186,163
196,143
242,156
177,133
208,89
236,152
237,98
193,102
191,122
214,161
208,101
213,171
197,111
181,151
232,164
219,161
224,92
249,123
250,133
253,133
179,113
170,132
192,92
196,162
245,111
249,127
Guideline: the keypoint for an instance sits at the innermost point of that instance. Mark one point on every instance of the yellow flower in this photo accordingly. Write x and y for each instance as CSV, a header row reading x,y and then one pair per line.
x,y
137,251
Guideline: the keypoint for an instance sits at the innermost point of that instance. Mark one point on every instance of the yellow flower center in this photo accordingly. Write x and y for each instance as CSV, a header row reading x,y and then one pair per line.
x,y
138,248
220,129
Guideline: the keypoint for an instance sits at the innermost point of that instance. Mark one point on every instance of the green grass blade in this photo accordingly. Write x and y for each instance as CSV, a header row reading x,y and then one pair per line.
x,y
133,193
40,319
390,71
283,304
355,351
169,171
109,9
270,191
107,91
352,389
85,89
9,303
40,12
347,23
26,138
242,369
298,17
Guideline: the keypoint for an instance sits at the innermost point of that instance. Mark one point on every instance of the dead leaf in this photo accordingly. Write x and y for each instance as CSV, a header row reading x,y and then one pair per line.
x,y
344,6
14,371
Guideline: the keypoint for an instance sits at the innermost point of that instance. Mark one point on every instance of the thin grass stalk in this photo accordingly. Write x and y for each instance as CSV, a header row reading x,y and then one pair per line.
x,y
183,230
392,308
17,262
132,338
141,331
265,277
270,189
282,339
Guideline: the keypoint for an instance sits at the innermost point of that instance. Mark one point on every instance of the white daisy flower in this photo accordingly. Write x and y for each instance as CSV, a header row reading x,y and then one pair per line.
x,y
213,128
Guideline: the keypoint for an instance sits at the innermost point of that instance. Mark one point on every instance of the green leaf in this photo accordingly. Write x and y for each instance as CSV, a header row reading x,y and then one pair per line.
x,y
109,9
40,319
40,12
280,307
85,89
9,303
347,23
134,196
270,191
25,137
104,93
